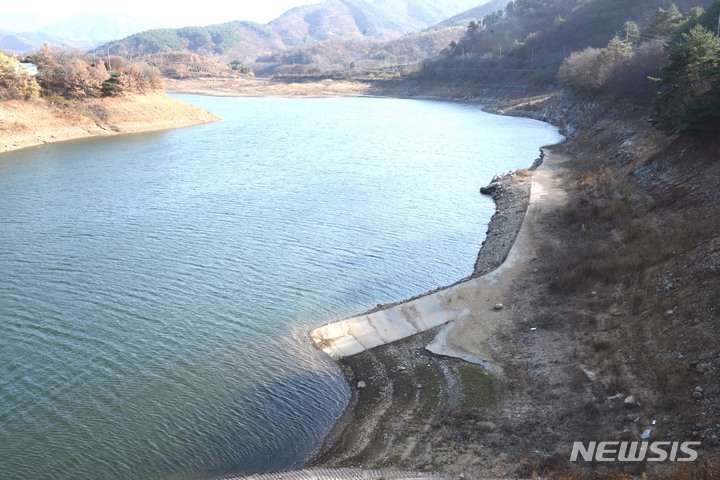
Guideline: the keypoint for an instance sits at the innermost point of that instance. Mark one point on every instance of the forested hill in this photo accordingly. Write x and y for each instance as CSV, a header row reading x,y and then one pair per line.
x,y
540,33
332,19
238,38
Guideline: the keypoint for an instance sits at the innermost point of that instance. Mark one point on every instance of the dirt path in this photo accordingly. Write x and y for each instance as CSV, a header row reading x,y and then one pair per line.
x,y
487,298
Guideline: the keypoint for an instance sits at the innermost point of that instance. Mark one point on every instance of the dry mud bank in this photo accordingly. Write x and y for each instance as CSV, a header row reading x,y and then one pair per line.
x,y
25,124
257,87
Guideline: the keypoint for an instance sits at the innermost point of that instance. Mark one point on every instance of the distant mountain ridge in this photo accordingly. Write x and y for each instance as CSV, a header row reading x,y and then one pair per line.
x,y
378,19
83,31
476,13
332,19
25,42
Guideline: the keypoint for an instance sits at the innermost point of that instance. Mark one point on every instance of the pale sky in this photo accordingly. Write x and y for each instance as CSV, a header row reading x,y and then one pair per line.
x,y
164,13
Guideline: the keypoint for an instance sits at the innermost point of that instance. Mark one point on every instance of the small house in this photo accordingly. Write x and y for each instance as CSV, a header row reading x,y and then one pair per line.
x,y
29,68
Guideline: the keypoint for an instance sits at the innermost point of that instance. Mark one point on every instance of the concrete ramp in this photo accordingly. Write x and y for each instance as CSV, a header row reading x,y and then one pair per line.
x,y
342,474
468,308
357,334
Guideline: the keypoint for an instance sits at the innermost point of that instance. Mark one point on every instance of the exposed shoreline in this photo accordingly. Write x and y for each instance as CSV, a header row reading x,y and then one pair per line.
x,y
405,414
30,123
409,355
570,343
381,427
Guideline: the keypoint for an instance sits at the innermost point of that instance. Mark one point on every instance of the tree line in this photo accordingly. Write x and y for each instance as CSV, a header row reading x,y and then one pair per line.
x,y
671,63
674,63
689,86
75,76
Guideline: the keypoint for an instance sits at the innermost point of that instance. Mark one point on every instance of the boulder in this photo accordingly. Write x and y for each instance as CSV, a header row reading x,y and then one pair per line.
x,y
490,189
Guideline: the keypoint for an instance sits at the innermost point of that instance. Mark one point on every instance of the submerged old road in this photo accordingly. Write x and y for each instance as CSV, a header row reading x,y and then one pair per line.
x,y
471,310
343,474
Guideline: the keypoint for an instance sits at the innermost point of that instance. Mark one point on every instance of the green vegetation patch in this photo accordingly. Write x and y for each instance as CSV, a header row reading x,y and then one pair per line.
x,y
477,387
431,382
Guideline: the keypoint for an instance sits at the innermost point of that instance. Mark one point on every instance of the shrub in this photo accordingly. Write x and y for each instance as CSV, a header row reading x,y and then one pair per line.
x,y
585,71
14,82
61,74
633,78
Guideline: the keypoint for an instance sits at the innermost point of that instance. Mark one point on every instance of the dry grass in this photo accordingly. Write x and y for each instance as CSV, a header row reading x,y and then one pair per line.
x,y
11,127
630,279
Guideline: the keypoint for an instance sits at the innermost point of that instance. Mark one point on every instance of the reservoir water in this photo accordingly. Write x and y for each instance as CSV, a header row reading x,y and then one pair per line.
x,y
157,289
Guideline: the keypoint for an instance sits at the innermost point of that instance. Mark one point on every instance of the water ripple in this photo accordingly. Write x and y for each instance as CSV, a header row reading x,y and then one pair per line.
x,y
158,288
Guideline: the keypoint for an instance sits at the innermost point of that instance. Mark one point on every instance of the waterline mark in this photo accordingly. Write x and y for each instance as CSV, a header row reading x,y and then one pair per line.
x,y
634,451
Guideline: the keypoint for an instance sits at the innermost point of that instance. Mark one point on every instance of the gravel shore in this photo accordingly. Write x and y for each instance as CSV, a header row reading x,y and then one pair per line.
x,y
511,195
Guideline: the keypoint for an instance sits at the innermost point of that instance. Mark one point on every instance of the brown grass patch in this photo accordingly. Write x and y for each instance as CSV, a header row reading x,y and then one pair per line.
x,y
13,127
631,276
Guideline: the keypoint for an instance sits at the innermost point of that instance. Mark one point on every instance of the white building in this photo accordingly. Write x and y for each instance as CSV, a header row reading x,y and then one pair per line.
x,y
29,68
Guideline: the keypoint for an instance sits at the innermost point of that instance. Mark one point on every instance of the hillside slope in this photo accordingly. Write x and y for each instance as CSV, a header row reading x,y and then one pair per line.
x,y
609,330
332,19
476,13
531,39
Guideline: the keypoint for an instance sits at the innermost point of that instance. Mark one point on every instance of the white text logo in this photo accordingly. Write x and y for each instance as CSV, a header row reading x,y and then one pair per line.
x,y
634,451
